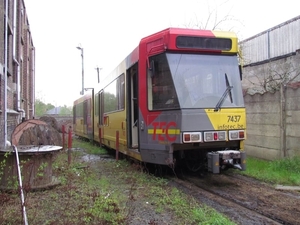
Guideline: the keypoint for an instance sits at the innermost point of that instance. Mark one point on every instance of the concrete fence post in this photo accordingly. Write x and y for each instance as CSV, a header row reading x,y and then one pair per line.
x,y
283,151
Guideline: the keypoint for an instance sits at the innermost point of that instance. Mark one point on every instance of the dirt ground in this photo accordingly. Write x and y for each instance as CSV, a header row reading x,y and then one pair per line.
x,y
242,199
250,201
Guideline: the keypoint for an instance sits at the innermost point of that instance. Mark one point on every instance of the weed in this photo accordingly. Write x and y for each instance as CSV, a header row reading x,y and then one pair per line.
x,y
208,216
90,148
103,192
283,171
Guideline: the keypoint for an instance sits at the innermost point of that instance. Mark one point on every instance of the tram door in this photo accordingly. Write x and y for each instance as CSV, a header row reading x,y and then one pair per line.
x,y
87,120
132,107
85,117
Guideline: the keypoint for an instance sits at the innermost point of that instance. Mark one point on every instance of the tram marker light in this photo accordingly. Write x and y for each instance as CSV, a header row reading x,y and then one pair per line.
x,y
222,135
236,134
191,137
208,136
241,134
215,136
187,137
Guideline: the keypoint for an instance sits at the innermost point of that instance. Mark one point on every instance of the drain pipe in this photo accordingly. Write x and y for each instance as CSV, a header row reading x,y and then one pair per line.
x,y
33,79
5,73
19,109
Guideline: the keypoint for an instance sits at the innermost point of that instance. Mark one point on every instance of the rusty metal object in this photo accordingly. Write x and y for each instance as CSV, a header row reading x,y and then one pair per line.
x,y
37,143
50,120
36,165
35,132
58,121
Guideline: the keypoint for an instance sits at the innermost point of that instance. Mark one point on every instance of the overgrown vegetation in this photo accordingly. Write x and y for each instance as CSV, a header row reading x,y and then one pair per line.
x,y
41,108
89,147
104,191
283,171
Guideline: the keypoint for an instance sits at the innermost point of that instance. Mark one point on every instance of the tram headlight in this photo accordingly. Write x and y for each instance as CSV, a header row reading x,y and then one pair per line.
x,y
215,136
236,134
190,137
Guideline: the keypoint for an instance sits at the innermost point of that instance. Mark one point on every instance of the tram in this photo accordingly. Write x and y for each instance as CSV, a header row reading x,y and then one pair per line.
x,y
175,100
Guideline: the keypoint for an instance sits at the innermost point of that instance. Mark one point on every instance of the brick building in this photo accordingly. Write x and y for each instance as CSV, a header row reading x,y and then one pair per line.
x,y
17,68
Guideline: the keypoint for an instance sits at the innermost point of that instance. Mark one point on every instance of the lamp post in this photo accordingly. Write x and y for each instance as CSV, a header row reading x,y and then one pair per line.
x,y
98,70
81,49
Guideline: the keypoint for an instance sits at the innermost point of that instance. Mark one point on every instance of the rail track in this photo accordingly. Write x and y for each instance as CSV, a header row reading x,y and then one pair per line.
x,y
242,199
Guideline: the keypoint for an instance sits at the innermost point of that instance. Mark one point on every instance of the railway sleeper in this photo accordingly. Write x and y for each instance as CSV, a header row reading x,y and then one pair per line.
x,y
222,160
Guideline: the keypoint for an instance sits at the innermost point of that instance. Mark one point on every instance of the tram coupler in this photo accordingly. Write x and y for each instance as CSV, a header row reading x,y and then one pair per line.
x,y
226,159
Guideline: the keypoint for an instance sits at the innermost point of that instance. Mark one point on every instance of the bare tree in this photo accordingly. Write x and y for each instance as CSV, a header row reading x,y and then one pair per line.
x,y
212,19
274,75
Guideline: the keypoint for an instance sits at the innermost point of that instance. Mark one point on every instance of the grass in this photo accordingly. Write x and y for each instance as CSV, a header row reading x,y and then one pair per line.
x,y
282,171
89,147
110,192
186,208
105,192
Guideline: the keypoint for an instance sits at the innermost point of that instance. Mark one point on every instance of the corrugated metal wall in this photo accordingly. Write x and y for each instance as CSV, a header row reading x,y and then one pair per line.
x,y
276,42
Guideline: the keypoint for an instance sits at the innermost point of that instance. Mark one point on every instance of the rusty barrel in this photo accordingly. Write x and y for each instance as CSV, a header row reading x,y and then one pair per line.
x,y
35,164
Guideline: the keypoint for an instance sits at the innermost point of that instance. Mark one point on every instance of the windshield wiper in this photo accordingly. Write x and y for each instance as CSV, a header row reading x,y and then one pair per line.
x,y
228,90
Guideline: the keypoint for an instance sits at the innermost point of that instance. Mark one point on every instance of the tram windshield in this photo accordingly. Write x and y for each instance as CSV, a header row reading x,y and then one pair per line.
x,y
190,81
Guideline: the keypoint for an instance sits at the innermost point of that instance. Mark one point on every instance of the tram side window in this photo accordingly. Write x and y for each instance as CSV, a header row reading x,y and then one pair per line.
x,y
74,114
101,107
97,104
114,95
161,90
79,110
121,92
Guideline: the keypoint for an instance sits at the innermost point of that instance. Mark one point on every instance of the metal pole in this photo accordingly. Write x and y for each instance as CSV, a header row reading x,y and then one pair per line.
x,y
63,136
82,71
100,138
93,116
82,65
98,73
21,187
5,73
117,145
69,145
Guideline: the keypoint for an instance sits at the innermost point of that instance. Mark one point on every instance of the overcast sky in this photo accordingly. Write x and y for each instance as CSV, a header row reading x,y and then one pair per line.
x,y
109,30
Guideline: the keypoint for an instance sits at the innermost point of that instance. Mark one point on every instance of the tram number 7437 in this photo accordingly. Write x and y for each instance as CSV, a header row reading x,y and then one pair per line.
x,y
235,118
